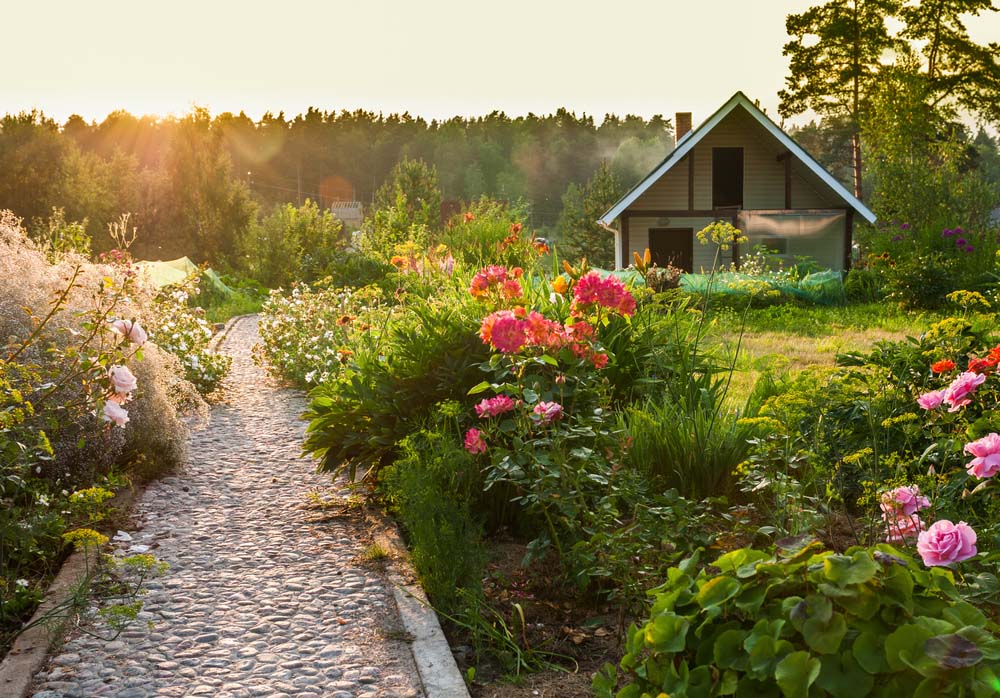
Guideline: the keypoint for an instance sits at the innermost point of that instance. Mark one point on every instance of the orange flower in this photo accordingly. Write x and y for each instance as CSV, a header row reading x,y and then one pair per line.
x,y
515,228
943,366
559,284
994,356
980,365
398,262
469,217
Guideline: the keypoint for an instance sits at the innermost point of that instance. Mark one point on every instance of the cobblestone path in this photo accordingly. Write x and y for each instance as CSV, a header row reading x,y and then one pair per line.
x,y
265,596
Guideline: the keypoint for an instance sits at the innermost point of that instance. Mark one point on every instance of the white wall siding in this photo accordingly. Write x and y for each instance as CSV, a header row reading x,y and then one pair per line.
x,y
638,239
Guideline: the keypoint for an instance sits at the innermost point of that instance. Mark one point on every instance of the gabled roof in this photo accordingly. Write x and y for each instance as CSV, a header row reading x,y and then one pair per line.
x,y
693,137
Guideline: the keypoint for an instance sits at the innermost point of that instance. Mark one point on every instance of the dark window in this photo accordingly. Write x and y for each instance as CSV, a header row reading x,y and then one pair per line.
x,y
674,246
727,177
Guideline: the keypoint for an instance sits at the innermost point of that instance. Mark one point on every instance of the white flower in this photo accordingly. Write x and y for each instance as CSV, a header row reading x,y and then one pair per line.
x,y
43,500
21,583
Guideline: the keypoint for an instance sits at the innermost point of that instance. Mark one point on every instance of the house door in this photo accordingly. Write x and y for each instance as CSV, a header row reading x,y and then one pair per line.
x,y
672,246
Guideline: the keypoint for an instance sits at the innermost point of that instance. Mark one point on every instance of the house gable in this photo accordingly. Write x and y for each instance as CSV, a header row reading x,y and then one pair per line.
x,y
739,123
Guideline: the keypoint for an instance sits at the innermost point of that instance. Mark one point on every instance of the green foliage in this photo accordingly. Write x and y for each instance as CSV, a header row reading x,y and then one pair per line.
x,y
397,374
291,244
490,232
806,621
958,70
918,160
60,237
407,209
579,233
433,488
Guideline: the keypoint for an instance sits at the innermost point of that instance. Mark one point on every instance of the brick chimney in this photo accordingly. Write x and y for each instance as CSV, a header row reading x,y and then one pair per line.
x,y
682,123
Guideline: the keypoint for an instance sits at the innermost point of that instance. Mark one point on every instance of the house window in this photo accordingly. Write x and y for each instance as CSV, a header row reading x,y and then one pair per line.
x,y
727,177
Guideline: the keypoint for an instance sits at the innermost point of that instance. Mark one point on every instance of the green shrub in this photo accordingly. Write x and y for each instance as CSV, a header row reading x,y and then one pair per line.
x,y
808,622
433,488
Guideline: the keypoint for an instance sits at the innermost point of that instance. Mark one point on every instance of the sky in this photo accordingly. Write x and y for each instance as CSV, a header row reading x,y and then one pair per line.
x,y
435,59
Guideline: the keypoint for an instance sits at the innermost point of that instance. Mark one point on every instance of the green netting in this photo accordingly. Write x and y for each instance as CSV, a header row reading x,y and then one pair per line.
x,y
821,288
626,276
175,271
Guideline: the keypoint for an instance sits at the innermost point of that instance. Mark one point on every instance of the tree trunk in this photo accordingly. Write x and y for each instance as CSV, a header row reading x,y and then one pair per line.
x,y
856,152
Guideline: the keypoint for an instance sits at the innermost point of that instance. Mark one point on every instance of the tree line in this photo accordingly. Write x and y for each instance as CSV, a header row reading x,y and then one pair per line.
x,y
194,184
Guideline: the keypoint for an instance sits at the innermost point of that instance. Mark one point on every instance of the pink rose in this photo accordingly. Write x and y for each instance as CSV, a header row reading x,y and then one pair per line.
x,y
944,543
113,412
122,379
494,406
548,412
131,329
899,528
903,500
987,456
474,442
931,400
957,393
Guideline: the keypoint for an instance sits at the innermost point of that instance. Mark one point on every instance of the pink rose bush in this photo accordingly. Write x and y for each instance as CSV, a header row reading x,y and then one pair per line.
x,y
986,450
903,500
957,394
945,543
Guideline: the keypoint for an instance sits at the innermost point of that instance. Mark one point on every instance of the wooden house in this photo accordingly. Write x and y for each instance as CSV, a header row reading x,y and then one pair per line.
x,y
741,167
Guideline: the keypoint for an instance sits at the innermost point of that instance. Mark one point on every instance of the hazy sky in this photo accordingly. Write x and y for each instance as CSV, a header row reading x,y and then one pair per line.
x,y
436,58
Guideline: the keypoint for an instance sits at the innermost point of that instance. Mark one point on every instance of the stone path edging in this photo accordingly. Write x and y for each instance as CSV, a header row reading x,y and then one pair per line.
x,y
31,648
436,664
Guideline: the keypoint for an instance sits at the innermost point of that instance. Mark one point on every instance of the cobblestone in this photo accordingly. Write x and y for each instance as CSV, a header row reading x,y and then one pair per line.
x,y
263,596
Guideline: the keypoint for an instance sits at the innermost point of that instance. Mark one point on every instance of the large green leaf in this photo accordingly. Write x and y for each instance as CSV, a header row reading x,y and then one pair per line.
x,y
842,677
905,644
825,637
870,654
716,591
666,632
855,569
728,652
796,673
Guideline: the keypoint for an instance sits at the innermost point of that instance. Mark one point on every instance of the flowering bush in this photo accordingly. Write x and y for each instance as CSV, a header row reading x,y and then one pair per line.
x,y
307,336
183,331
64,371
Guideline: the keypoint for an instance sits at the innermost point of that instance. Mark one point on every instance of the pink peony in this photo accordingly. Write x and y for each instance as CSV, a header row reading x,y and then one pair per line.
x,y
494,406
609,293
899,528
113,412
122,379
548,412
957,393
987,456
944,543
931,400
131,329
903,500
474,442
507,334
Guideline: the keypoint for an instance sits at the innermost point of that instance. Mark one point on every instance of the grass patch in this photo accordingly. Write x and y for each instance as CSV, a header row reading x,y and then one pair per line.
x,y
786,339
236,304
